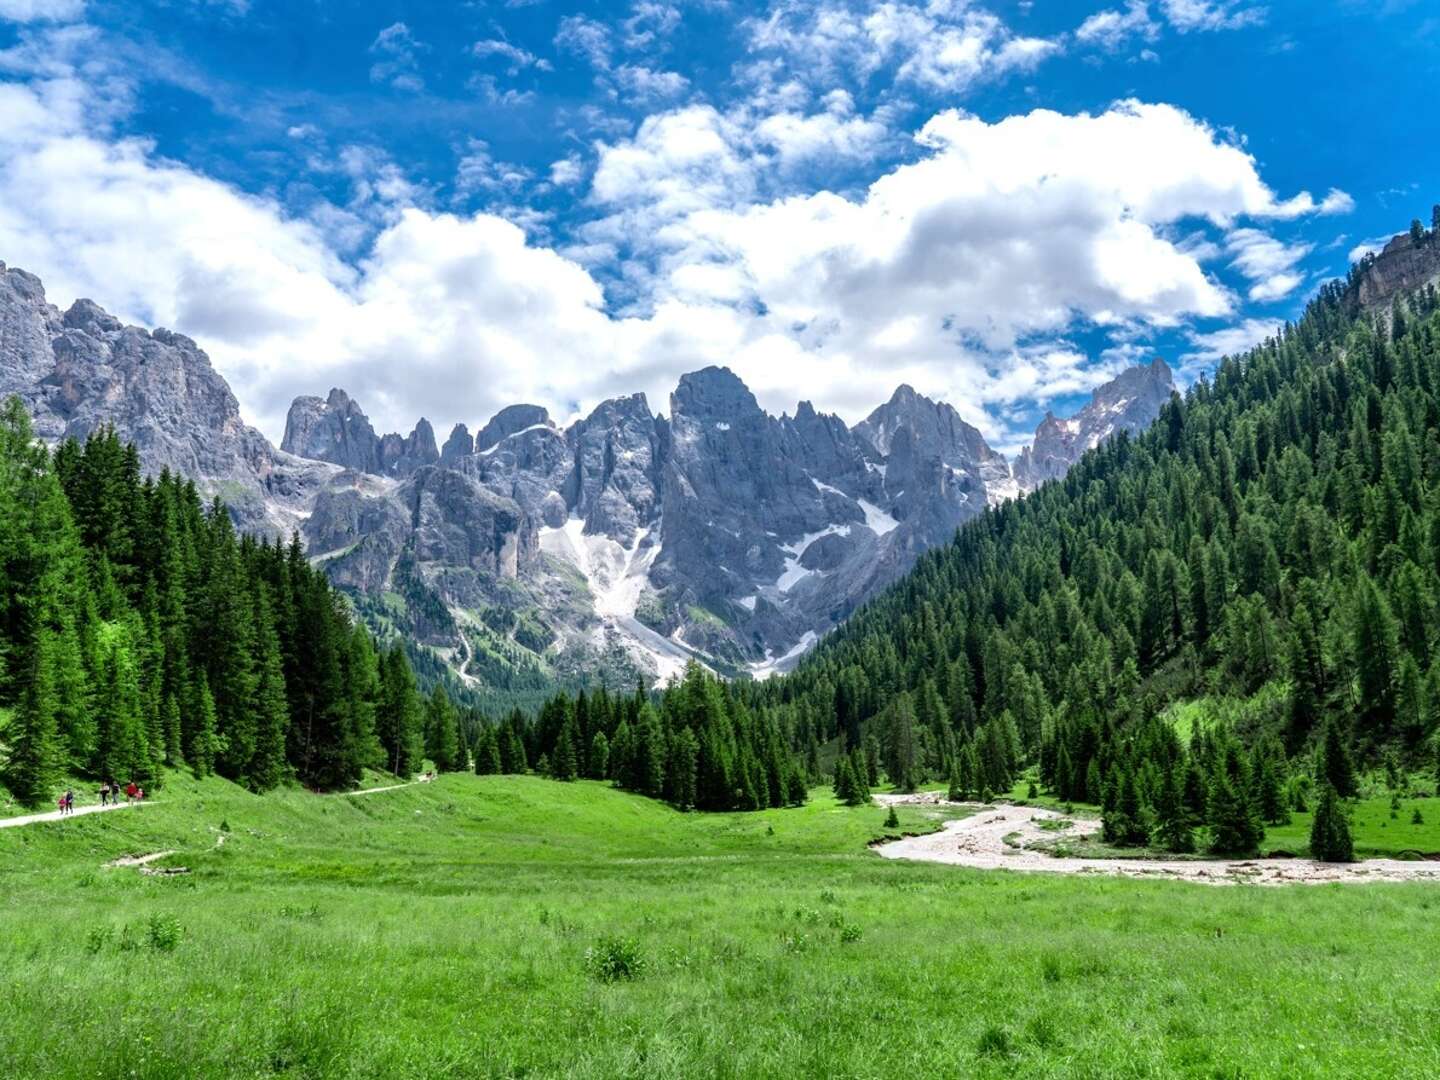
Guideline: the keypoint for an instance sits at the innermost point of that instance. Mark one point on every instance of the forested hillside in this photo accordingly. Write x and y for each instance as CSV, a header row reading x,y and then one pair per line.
x,y
138,630
1273,539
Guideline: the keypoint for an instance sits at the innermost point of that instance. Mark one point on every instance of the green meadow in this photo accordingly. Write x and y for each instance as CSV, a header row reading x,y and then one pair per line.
x,y
512,926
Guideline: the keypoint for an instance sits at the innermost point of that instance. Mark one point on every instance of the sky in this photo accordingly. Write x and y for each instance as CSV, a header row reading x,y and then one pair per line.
x,y
446,208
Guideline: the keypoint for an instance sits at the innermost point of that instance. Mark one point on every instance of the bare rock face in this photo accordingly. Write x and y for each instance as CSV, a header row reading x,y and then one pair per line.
x,y
1130,402
82,370
337,430
459,445
618,450
508,421
1403,265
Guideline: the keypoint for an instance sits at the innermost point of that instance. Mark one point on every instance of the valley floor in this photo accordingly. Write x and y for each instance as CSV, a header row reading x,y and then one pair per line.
x,y
443,929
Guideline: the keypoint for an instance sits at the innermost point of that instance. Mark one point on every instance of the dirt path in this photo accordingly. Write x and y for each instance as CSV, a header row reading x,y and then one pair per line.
x,y
419,779
998,838
55,815
138,860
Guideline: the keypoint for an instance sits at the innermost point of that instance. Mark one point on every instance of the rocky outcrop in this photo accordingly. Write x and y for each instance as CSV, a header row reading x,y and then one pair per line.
x,y
338,431
1404,264
1127,403
84,369
508,421
458,445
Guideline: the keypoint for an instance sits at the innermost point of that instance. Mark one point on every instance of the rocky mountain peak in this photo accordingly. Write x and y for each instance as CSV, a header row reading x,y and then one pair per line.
x,y
713,393
508,421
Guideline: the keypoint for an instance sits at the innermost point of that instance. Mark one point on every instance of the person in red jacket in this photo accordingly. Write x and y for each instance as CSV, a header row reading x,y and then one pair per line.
x,y
131,791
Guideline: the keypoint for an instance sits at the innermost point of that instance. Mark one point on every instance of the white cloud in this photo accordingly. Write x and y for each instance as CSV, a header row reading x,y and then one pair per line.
x,y
1208,348
1111,29
963,272
1267,262
41,10
516,58
943,45
1187,15
398,63
587,38
1368,247
646,84
567,171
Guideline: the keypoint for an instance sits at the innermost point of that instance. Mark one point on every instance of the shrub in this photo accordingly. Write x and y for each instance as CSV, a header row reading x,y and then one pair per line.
x,y
615,959
1417,818
162,933
892,820
849,933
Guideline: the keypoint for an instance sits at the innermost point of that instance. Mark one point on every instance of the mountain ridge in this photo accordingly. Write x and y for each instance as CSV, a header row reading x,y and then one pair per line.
x,y
626,543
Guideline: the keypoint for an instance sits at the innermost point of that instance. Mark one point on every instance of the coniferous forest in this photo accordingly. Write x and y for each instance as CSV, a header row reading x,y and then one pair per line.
x,y
1273,539
137,630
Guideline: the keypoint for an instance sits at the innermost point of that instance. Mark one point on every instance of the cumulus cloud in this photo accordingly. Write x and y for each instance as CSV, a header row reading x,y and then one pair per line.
x,y
965,271
1209,348
515,58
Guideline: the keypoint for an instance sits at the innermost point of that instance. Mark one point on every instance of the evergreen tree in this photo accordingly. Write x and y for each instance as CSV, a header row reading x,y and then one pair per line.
x,y
442,732
1329,830
1172,823
598,760
1335,765
1235,827
35,752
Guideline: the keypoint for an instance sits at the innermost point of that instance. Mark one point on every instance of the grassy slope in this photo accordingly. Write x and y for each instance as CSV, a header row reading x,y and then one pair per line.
x,y
442,929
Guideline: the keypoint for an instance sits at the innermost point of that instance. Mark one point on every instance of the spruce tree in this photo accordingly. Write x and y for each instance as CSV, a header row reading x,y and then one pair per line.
x,y
1335,765
1172,822
1235,827
1330,830
35,752
598,760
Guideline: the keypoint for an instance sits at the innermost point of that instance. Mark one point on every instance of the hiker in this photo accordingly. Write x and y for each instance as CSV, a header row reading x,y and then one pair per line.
x,y
130,791
67,802
105,793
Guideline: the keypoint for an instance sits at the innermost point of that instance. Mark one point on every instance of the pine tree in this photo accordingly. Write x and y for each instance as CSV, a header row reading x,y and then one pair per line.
x,y
1335,765
35,752
564,765
598,760
1172,823
1235,827
1330,831
442,733
487,754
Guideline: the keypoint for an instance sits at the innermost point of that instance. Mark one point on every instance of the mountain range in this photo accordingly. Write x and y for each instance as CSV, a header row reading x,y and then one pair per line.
x,y
619,546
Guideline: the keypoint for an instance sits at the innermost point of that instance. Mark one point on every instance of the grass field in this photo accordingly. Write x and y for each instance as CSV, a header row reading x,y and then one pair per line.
x,y
443,930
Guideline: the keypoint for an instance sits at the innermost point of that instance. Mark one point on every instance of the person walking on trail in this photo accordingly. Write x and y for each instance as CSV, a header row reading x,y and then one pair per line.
x,y
105,793
68,802
131,791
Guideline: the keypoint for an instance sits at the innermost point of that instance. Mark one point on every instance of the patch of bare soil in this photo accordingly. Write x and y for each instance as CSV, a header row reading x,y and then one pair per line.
x,y
1002,837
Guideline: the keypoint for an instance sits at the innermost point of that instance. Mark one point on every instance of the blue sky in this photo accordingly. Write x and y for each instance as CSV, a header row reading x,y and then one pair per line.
x,y
447,207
